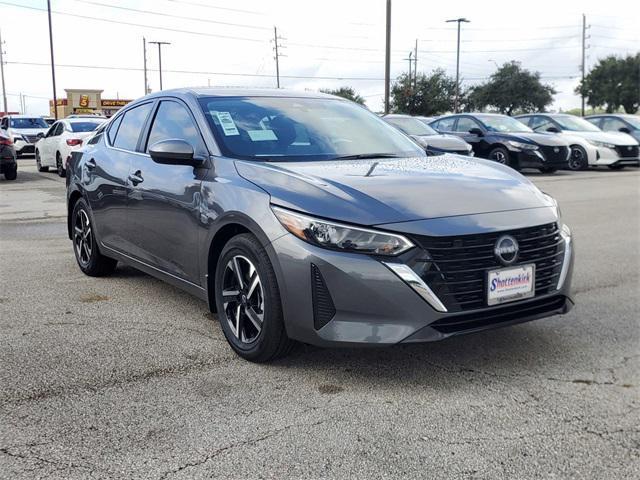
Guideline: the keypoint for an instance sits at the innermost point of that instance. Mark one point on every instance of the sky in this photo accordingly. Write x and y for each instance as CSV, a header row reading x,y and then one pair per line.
x,y
325,44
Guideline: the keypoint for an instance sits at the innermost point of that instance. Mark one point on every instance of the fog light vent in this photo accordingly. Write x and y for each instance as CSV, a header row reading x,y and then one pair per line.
x,y
323,308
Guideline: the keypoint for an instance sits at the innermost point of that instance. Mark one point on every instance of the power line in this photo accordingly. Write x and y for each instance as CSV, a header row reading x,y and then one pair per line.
x,y
216,7
120,22
162,14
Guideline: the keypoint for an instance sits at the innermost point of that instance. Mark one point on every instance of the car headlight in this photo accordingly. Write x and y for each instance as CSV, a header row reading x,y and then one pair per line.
x,y
335,236
521,145
19,138
597,143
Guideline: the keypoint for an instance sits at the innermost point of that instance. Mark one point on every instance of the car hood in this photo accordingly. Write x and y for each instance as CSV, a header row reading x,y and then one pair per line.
x,y
547,139
370,192
616,138
28,131
444,142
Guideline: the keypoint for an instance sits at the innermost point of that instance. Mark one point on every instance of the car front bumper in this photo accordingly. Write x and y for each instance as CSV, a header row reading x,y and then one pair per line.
x,y
24,147
536,159
372,305
609,157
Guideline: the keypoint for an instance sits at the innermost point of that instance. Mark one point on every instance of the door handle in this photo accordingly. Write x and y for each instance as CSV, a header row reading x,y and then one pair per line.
x,y
91,164
136,178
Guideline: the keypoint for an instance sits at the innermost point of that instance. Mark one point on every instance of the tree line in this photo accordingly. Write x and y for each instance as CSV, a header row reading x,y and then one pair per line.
x,y
612,84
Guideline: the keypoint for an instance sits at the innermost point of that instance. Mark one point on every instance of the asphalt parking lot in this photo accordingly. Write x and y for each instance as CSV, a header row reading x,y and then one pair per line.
x,y
128,377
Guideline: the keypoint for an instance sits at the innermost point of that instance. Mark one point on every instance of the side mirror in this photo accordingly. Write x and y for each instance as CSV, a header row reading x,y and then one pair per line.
x,y
40,135
476,131
624,130
553,130
173,152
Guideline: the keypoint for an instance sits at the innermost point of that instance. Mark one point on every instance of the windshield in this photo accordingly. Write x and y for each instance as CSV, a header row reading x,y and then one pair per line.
x,y
634,121
575,124
411,126
35,122
502,123
262,128
84,126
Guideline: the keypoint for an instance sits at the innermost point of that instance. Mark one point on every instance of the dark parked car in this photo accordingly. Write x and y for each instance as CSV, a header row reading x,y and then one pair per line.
x,y
435,143
8,163
617,122
507,141
306,217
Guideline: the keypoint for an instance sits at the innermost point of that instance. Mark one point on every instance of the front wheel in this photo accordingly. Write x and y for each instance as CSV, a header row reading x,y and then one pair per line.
x,y
248,301
85,244
578,159
501,155
39,163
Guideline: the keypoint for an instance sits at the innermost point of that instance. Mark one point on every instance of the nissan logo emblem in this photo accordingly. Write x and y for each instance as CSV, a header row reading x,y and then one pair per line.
x,y
556,149
629,148
506,249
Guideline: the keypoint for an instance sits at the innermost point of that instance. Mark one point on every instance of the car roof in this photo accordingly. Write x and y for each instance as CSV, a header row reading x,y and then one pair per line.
x,y
623,115
83,119
398,115
23,116
241,92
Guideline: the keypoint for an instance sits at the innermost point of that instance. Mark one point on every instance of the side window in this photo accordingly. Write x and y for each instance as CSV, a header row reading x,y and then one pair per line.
x,y
465,124
59,129
610,124
97,135
51,130
540,124
131,126
445,125
174,121
526,120
4,124
113,129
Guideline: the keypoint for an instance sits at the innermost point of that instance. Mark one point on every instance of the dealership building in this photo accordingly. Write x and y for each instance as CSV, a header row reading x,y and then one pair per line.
x,y
80,101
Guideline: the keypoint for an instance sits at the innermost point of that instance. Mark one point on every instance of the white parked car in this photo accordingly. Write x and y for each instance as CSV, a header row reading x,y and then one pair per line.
x,y
24,130
612,149
61,139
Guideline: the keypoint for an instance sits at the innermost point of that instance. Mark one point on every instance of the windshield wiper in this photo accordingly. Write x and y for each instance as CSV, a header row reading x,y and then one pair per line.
x,y
362,156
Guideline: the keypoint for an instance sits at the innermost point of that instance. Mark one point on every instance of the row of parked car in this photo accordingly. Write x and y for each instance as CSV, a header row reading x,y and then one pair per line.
x,y
52,144
543,141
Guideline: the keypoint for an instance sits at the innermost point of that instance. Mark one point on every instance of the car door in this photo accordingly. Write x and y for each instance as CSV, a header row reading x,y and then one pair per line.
x,y
105,176
164,206
47,148
463,128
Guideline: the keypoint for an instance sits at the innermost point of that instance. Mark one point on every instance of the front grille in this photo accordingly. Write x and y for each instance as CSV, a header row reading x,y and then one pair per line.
x,y
552,156
503,314
455,268
31,138
323,308
628,152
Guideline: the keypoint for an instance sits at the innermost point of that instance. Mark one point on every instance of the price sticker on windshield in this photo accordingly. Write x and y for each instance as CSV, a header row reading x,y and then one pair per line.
x,y
228,125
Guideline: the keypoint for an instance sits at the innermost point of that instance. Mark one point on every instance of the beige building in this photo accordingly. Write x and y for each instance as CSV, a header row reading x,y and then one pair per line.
x,y
80,101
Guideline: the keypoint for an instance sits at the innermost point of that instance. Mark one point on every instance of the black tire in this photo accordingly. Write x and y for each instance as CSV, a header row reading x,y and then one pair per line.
x,y
616,167
39,163
548,169
61,171
501,155
11,174
89,258
271,341
578,159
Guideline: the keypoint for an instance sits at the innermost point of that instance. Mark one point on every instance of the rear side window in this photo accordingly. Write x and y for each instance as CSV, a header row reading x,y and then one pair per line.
x,y
113,129
131,126
445,125
174,121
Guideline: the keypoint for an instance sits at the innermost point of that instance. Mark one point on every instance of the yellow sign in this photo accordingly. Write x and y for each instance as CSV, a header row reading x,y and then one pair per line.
x,y
114,103
84,101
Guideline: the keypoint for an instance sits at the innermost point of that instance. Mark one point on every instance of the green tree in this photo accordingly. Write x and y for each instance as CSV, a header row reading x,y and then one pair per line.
x,y
612,83
345,92
511,89
432,95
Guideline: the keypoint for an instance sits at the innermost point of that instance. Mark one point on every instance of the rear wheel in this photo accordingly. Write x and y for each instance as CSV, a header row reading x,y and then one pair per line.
x,y
248,301
11,174
61,170
578,159
39,163
85,245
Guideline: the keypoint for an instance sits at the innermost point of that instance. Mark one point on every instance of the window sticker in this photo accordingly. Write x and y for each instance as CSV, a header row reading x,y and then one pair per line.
x,y
226,122
261,135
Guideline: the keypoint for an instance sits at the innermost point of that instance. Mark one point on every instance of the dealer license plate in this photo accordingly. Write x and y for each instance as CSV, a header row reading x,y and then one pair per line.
x,y
510,284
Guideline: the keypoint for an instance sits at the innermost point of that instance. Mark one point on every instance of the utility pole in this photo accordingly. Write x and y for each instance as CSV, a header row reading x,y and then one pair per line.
x,y
4,88
53,65
144,52
410,63
160,58
276,48
415,67
387,60
584,48
457,97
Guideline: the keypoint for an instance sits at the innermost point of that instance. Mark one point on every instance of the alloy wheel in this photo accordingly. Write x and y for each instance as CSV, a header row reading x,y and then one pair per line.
x,y
243,299
82,238
577,160
500,157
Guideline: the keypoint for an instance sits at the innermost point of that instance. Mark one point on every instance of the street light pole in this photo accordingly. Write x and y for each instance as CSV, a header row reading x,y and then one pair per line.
x,y
53,67
387,59
160,58
457,97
